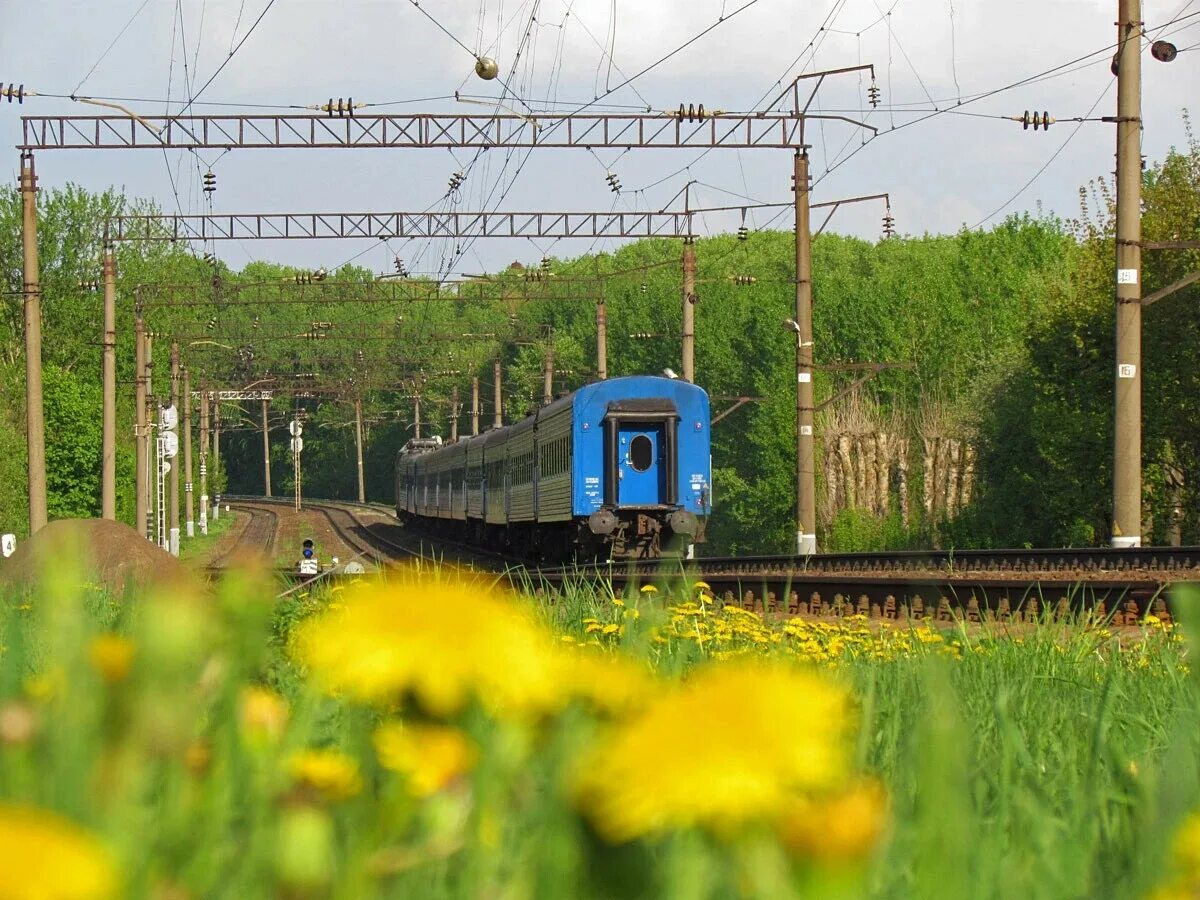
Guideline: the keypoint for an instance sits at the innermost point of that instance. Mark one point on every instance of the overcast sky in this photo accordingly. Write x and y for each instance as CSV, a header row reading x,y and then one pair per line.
x,y
949,170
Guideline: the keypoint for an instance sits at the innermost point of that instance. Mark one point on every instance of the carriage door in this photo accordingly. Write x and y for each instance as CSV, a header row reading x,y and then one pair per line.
x,y
640,467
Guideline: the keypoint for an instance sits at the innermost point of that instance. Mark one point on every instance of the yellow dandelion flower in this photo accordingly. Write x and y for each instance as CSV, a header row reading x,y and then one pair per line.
x,y
838,829
332,774
46,857
263,714
649,589
112,656
617,601
702,586
429,756
690,746
439,644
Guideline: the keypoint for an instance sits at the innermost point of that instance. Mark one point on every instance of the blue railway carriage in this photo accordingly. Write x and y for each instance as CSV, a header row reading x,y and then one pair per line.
x,y
618,469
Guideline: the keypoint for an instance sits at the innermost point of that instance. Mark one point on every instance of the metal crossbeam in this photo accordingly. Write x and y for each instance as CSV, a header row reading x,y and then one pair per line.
x,y
624,131
397,225
272,293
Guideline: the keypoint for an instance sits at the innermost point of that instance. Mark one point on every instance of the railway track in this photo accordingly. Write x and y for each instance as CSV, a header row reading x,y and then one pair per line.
x,y
257,535
1122,585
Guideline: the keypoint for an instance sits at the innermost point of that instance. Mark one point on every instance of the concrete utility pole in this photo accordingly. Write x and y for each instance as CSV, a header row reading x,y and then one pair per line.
x,y
454,412
474,406
1127,446
216,451
497,398
35,427
108,381
266,435
185,426
601,341
689,309
151,447
140,516
203,458
362,488
806,474
548,376
417,416
173,522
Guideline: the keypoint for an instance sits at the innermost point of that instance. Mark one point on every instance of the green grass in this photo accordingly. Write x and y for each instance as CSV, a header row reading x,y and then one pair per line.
x,y
1057,764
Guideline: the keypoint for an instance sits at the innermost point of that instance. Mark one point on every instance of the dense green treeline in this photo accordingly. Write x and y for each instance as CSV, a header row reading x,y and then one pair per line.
x,y
995,431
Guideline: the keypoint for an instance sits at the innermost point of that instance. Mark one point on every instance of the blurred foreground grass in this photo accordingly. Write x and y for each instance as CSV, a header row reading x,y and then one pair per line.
x,y
427,736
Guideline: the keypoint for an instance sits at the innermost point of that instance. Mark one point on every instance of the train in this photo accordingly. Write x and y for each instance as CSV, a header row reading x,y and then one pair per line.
x,y
618,469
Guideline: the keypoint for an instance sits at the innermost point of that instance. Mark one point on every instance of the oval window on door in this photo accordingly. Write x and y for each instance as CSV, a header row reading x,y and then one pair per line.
x,y
641,453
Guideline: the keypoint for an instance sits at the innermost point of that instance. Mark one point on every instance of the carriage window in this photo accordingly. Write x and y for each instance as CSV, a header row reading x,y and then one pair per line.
x,y
641,453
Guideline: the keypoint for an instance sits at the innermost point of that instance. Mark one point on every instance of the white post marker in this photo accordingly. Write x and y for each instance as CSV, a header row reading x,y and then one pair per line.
x,y
8,545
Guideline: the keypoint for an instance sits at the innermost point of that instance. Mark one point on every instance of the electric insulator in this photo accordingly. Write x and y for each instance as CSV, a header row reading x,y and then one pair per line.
x,y
614,183
89,285
873,94
339,107
743,233
456,180
545,264
210,258
12,92
695,112
889,224
744,279
321,326
1164,51
400,270
643,335
645,287
1043,121
210,182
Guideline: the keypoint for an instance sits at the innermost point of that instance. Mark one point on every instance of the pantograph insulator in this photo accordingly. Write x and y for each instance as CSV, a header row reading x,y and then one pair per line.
x,y
12,92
